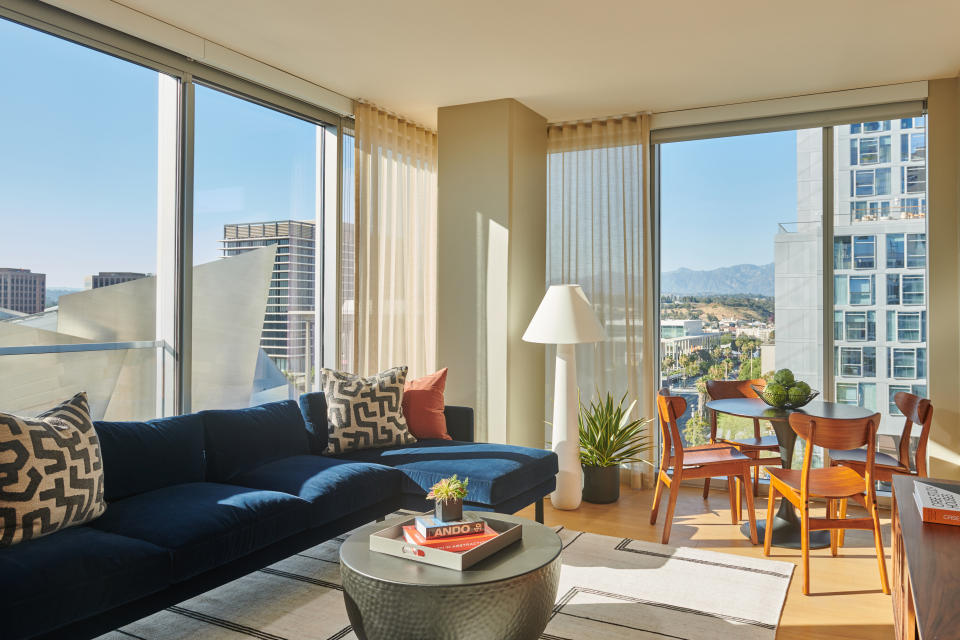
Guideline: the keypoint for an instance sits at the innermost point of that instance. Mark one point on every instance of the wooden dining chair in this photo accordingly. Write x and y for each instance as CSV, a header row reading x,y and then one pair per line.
x,y
834,484
916,410
750,447
695,462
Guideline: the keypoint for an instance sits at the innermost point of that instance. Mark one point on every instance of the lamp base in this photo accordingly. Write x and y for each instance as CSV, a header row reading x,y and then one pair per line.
x,y
566,432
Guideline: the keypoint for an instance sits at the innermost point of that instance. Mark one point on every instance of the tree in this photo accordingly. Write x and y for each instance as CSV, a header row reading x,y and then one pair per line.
x,y
750,370
696,431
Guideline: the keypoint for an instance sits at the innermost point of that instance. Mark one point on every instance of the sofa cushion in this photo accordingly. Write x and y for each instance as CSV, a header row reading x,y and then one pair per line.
x,y
240,440
51,475
73,574
142,456
497,472
423,406
205,524
334,488
364,413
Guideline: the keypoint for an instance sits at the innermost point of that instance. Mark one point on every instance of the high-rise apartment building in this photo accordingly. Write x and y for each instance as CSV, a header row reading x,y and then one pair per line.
x,y
108,278
22,290
288,324
879,328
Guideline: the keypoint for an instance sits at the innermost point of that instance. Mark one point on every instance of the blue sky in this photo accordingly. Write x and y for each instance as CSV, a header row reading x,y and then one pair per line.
x,y
721,199
78,166
78,161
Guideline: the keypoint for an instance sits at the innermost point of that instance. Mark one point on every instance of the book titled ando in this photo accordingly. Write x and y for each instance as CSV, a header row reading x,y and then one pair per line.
x,y
391,541
936,503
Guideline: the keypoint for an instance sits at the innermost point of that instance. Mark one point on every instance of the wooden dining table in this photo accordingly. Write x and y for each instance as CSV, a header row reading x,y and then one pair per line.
x,y
786,525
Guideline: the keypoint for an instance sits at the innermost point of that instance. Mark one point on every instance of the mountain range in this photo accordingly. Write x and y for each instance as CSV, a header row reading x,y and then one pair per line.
x,y
756,279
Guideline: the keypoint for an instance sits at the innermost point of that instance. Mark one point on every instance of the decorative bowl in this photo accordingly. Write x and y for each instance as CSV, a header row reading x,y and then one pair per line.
x,y
786,405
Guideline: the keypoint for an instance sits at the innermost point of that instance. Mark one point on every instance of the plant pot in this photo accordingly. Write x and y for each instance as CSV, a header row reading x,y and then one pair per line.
x,y
601,485
448,511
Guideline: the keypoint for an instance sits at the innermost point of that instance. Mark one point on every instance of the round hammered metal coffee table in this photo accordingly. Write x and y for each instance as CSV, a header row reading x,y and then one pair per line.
x,y
509,595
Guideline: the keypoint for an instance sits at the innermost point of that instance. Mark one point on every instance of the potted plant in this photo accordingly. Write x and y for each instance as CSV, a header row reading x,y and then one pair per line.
x,y
608,439
448,494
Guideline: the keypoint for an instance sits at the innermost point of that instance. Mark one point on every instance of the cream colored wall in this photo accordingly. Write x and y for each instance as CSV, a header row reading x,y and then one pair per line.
x,y
943,148
491,263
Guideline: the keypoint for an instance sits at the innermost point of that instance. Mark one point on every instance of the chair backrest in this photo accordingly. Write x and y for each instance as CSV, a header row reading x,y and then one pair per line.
x,y
916,410
836,434
669,408
723,389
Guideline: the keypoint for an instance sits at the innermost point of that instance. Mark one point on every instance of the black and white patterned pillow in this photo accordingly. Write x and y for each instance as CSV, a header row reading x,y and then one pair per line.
x,y
52,476
364,413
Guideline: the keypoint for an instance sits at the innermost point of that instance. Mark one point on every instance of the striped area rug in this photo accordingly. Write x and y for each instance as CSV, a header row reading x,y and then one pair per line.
x,y
611,588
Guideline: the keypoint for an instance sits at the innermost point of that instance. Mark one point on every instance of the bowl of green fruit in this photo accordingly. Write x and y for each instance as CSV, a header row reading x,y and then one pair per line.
x,y
783,391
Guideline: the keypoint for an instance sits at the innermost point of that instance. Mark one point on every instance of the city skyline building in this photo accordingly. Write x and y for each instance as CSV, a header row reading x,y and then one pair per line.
x,y
288,327
879,331
108,278
22,290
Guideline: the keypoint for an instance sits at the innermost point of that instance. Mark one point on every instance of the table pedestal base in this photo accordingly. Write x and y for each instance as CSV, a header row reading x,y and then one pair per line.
x,y
786,534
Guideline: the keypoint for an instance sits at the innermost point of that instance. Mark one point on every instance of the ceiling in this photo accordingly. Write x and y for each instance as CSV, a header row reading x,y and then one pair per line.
x,y
570,59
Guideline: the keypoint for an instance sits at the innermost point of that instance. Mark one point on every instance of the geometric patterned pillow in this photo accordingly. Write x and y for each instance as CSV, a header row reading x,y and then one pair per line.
x,y
51,473
364,413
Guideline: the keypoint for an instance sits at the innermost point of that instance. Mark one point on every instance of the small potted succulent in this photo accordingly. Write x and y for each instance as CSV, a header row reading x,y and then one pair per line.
x,y
448,494
608,439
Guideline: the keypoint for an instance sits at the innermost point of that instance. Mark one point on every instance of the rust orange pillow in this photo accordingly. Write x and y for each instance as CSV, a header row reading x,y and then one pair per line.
x,y
423,406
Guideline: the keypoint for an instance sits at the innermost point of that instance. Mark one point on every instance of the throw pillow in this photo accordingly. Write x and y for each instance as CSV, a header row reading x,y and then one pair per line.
x,y
423,406
364,413
52,474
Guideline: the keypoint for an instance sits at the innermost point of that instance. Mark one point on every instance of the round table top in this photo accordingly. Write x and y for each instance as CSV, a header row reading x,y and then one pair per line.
x,y
757,408
538,547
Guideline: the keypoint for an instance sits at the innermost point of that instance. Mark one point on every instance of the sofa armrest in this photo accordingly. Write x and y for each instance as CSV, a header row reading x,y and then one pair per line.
x,y
459,422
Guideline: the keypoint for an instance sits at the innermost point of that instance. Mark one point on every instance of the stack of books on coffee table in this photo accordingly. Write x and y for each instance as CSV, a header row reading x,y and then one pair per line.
x,y
452,545
457,536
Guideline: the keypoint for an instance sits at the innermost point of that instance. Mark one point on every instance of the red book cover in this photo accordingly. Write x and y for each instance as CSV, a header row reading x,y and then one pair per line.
x,y
459,543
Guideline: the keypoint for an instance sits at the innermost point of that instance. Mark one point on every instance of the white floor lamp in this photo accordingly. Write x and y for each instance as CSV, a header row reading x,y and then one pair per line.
x,y
565,318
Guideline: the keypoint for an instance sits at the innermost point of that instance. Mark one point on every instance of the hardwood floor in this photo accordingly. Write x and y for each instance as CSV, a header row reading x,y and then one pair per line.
x,y
845,601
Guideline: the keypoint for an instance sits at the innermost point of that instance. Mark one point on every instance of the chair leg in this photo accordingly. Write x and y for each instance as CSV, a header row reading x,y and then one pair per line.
x,y
657,494
706,488
671,505
843,516
756,479
878,541
751,513
832,512
733,486
768,529
805,545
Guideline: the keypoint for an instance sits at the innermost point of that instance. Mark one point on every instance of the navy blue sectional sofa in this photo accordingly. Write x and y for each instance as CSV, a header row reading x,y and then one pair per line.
x,y
198,500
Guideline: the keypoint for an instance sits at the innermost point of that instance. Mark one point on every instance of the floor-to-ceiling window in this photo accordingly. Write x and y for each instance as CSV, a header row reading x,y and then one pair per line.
x,y
163,230
722,214
82,197
739,267
256,245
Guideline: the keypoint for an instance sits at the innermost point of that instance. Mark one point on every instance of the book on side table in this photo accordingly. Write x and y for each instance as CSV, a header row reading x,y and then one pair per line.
x,y
937,503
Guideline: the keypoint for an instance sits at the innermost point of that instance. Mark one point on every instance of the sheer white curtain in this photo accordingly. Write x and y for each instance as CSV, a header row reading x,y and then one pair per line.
x,y
597,213
395,244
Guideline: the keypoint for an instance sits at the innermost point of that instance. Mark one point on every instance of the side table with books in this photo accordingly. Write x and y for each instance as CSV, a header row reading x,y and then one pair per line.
x,y
926,583
395,594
